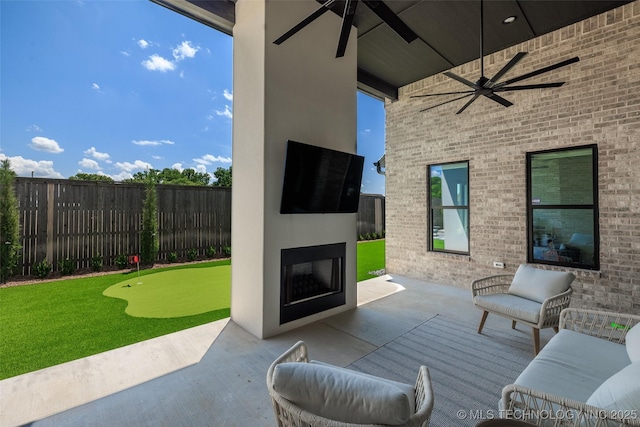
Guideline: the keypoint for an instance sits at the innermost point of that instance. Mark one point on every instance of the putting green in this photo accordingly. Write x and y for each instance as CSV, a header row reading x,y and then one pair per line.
x,y
175,293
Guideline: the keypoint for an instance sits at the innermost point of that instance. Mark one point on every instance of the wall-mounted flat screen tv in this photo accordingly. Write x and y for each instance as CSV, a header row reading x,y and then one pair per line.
x,y
320,180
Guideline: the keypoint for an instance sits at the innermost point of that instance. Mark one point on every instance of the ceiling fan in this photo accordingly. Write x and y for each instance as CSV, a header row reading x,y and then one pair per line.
x,y
490,87
350,6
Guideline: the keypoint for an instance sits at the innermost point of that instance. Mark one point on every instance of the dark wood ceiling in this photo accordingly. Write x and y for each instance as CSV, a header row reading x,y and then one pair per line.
x,y
448,32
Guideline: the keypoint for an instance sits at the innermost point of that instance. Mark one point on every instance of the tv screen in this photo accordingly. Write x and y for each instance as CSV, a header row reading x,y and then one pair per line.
x,y
320,180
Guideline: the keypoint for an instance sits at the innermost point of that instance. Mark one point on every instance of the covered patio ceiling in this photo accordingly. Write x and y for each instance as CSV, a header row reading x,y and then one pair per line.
x,y
448,32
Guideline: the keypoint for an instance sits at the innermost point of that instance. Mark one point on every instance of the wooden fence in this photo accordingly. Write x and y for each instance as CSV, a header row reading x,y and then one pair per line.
x,y
371,214
79,220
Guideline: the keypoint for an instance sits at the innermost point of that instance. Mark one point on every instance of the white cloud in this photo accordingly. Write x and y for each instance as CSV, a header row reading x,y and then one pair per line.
x,y
25,167
95,86
201,168
208,159
41,143
158,63
177,166
130,167
185,50
89,164
34,128
143,43
156,157
153,143
121,176
226,113
96,154
125,53
228,95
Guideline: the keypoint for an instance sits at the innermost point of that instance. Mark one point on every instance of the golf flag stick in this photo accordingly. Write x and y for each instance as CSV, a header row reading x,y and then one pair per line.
x,y
137,259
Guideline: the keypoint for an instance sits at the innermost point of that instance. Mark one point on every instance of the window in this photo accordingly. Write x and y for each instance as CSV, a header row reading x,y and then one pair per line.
x,y
563,207
449,207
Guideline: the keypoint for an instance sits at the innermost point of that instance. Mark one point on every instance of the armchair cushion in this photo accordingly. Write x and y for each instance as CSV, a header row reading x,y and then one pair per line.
x,y
536,284
407,389
341,395
632,344
510,306
621,392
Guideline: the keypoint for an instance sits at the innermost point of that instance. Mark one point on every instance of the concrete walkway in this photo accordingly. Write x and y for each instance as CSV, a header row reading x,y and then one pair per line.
x,y
45,392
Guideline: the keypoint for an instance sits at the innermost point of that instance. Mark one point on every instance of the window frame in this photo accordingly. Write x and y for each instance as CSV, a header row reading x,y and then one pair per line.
x,y
431,208
594,207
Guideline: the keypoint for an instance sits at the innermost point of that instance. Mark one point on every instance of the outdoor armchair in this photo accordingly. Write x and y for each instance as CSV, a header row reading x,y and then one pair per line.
x,y
306,394
532,296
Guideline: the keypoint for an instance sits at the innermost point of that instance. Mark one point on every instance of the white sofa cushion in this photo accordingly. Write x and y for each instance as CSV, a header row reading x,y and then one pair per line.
x,y
632,342
621,392
511,306
571,365
537,284
340,394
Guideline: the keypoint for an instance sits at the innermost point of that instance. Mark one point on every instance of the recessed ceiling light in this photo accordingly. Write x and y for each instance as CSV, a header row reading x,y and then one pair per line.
x,y
509,19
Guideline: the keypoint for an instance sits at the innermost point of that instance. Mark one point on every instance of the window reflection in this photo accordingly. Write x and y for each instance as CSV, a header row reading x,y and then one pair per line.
x,y
563,207
449,197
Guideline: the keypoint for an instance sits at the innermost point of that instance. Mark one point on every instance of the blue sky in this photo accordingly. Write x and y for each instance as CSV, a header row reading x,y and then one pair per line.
x,y
116,87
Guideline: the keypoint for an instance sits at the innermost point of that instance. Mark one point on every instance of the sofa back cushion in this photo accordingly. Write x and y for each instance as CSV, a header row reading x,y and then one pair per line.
x,y
341,395
632,343
536,284
621,392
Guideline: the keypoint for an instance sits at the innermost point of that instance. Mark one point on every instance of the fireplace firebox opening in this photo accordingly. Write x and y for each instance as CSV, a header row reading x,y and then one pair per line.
x,y
312,280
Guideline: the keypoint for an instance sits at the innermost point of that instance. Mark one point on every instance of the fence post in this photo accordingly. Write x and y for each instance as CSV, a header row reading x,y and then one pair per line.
x,y
50,212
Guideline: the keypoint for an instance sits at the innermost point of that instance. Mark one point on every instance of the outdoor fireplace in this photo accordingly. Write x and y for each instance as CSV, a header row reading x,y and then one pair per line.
x,y
312,280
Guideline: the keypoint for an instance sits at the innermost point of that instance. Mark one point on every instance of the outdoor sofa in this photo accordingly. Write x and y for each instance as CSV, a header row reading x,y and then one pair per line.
x,y
588,374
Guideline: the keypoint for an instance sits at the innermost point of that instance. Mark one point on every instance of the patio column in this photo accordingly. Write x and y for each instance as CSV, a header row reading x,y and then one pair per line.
x,y
295,91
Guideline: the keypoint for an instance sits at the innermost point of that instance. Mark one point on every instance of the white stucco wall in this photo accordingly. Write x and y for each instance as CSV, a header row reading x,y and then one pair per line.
x,y
295,91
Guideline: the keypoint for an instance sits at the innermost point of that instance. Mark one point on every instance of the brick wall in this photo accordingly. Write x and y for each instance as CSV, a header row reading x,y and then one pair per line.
x,y
600,104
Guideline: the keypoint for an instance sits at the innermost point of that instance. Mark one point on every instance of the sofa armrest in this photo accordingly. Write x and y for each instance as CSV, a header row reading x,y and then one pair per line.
x,y
541,408
552,307
496,284
600,324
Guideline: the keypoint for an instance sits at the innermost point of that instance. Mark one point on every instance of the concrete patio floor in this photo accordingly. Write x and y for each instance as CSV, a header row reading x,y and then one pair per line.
x,y
214,374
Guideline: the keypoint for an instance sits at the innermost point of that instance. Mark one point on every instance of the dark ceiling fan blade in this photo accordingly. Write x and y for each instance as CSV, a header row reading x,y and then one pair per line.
x,y
391,19
526,87
349,13
464,107
538,72
488,87
306,21
442,93
446,102
500,100
461,80
505,69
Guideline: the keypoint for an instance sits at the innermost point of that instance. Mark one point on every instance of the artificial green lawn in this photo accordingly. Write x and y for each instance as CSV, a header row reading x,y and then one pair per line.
x,y
175,293
370,258
45,324
50,323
